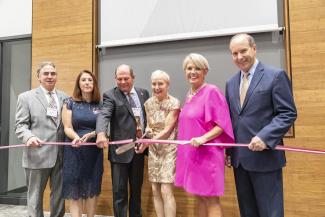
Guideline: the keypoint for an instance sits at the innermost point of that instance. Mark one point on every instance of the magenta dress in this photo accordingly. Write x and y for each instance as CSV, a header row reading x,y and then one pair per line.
x,y
200,170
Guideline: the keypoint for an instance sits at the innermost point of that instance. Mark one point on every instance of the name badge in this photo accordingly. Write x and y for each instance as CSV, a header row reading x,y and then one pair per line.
x,y
136,111
52,112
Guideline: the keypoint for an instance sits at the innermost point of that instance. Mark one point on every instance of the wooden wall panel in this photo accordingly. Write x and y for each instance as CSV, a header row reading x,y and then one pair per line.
x,y
66,31
63,33
304,176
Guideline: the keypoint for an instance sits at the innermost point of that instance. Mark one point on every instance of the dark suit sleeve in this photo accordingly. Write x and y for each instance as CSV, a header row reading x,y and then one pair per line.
x,y
105,115
284,111
147,95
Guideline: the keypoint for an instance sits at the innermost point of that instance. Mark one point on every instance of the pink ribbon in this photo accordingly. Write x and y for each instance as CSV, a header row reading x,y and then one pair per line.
x,y
69,143
178,142
278,147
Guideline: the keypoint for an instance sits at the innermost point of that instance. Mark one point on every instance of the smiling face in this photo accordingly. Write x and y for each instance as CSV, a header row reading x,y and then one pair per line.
x,y
243,53
86,83
195,75
159,87
124,78
47,77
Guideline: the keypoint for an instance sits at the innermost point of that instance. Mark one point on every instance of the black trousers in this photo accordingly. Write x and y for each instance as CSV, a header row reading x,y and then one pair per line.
x,y
124,174
260,194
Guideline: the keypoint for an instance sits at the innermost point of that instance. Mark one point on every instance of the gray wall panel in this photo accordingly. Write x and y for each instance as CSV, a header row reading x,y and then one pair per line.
x,y
169,56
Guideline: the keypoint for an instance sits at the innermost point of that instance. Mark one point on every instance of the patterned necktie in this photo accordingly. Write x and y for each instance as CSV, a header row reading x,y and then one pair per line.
x,y
139,119
52,104
244,88
131,101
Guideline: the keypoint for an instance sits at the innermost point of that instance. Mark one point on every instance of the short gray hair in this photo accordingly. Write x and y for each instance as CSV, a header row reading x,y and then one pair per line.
x,y
43,64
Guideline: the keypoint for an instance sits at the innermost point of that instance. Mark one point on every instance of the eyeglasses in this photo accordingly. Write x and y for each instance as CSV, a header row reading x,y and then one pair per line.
x,y
49,73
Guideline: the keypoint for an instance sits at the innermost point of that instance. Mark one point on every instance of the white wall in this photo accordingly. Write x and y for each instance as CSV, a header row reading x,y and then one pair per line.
x,y
15,18
125,22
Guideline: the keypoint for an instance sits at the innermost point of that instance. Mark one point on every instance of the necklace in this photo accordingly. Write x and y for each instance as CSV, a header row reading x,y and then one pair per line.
x,y
193,93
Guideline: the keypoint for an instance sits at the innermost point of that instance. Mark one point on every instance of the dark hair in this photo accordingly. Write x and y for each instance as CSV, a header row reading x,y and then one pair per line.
x,y
77,96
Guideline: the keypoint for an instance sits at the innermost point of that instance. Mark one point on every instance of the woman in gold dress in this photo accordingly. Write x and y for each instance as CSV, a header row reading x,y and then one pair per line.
x,y
162,112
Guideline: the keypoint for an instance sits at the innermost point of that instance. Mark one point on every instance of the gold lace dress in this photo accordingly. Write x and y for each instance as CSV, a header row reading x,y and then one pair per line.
x,y
162,157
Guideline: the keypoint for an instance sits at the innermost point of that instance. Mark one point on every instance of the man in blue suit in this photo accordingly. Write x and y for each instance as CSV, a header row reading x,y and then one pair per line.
x,y
262,110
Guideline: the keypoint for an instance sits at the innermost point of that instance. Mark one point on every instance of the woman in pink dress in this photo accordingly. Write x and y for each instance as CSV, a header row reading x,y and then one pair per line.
x,y
204,118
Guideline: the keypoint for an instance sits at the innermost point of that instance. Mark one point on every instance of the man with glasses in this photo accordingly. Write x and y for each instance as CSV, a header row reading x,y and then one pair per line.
x,y
38,120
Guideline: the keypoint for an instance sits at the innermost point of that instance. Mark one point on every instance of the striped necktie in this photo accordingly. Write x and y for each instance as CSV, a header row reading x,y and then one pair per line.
x,y
52,104
244,88
131,101
139,119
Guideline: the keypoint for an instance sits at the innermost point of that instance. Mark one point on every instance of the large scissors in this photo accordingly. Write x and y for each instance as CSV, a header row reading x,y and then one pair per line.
x,y
124,148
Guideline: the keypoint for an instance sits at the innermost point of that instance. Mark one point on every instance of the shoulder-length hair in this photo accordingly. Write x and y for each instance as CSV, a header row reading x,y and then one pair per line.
x,y
77,96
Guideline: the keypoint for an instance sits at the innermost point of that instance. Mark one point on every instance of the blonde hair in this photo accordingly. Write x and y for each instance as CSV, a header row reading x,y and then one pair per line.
x,y
160,74
197,59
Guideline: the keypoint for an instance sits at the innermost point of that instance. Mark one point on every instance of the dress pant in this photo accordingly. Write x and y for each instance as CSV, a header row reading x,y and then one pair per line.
x,y
36,180
260,194
122,175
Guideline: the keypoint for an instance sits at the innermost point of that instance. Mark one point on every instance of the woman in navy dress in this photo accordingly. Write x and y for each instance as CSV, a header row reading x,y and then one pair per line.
x,y
82,165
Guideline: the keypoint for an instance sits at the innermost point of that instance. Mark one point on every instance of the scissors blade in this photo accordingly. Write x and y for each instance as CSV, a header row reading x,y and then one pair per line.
x,y
125,148
128,146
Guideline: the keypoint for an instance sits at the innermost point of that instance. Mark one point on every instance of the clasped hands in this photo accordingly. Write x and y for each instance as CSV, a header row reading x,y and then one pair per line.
x,y
76,142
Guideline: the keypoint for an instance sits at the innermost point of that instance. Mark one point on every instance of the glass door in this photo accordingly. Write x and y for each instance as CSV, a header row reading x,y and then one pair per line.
x,y
15,79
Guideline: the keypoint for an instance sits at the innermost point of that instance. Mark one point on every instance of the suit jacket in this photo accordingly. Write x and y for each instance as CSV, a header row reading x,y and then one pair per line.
x,y
268,112
31,120
117,114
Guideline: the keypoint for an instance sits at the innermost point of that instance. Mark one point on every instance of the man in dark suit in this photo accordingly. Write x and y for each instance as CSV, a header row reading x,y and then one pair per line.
x,y
262,110
38,119
124,113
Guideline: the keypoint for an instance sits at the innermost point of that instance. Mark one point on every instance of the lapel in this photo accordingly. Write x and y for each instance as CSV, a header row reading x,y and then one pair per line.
x,y
125,101
236,92
42,98
61,98
258,74
141,97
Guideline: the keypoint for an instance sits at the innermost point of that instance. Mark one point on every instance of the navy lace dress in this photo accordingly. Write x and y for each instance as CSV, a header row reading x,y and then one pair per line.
x,y
83,166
